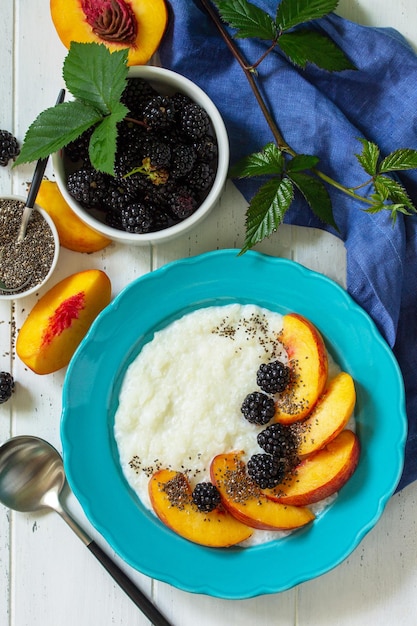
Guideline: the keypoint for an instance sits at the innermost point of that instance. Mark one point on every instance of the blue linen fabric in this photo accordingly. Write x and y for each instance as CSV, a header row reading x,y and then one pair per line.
x,y
324,114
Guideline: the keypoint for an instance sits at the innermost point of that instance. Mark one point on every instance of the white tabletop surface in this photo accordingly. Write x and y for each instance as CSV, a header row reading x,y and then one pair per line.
x,y
47,577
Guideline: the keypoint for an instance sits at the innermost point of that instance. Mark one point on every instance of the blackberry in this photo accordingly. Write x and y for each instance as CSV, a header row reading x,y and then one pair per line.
x,y
266,470
129,138
273,377
201,177
9,148
77,150
206,497
180,100
116,198
114,219
87,185
136,218
279,440
6,386
159,113
182,203
158,152
162,219
183,159
136,94
206,149
194,121
258,408
132,183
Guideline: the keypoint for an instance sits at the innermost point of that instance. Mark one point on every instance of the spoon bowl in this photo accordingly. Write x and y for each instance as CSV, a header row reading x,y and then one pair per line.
x,y
30,470
32,477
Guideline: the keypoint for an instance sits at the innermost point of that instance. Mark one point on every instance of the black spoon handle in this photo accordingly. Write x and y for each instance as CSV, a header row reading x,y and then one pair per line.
x,y
141,601
40,167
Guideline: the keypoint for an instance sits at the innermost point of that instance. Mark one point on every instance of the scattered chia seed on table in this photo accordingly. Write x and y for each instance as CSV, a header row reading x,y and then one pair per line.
x,y
28,259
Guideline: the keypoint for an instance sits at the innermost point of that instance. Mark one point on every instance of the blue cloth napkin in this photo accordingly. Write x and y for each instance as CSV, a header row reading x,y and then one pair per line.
x,y
324,114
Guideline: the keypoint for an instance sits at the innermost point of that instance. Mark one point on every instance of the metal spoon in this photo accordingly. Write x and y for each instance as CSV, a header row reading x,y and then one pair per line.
x,y
32,477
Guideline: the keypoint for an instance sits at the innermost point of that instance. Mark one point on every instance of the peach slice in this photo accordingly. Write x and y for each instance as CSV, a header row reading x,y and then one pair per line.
x,y
73,233
60,319
321,474
309,367
329,416
245,501
136,24
170,495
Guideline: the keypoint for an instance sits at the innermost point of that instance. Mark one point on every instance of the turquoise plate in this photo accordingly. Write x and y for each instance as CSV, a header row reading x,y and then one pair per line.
x,y
90,398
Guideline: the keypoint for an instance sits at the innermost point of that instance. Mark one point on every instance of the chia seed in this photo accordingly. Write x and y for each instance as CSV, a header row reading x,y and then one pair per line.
x,y
178,491
23,264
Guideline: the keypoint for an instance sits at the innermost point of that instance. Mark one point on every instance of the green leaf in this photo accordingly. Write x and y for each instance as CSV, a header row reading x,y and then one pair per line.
x,y
389,189
291,13
316,196
267,210
302,162
248,19
95,75
269,161
402,159
54,128
369,157
307,46
103,142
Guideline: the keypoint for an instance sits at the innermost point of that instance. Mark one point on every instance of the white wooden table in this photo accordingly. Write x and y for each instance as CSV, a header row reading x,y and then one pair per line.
x,y
47,577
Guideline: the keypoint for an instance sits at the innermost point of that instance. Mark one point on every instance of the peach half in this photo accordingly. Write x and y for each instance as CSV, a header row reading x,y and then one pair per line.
x,y
329,416
321,474
309,367
246,502
60,319
135,24
170,495
73,233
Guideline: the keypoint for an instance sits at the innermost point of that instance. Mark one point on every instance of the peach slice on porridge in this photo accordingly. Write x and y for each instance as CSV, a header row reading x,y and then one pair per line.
x,y
320,474
329,416
244,499
309,368
171,498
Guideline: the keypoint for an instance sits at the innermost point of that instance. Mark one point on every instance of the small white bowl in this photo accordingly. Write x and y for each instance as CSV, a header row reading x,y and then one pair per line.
x,y
166,82
47,218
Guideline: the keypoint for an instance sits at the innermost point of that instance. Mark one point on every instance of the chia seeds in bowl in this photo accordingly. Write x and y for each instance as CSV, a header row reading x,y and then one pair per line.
x,y
27,265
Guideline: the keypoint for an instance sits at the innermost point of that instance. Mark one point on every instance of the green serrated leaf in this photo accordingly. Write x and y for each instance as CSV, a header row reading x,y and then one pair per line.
x,y
248,19
269,161
369,157
302,162
95,75
308,46
267,210
394,209
103,142
290,13
402,159
390,189
54,128
316,196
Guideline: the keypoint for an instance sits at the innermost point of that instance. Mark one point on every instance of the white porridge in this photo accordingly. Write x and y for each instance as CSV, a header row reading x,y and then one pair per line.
x,y
180,400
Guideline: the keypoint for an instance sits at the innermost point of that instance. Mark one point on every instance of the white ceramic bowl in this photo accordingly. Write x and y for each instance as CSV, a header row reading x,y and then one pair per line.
x,y
31,290
167,83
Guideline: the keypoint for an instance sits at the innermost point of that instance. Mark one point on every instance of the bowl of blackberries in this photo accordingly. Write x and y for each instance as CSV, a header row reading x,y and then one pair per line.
x,y
170,168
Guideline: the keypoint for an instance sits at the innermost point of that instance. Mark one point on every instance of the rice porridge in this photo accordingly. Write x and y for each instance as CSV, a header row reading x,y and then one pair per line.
x,y
180,400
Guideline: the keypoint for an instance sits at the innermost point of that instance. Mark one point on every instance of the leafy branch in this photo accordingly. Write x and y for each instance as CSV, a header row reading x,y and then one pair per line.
x,y
96,78
287,171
